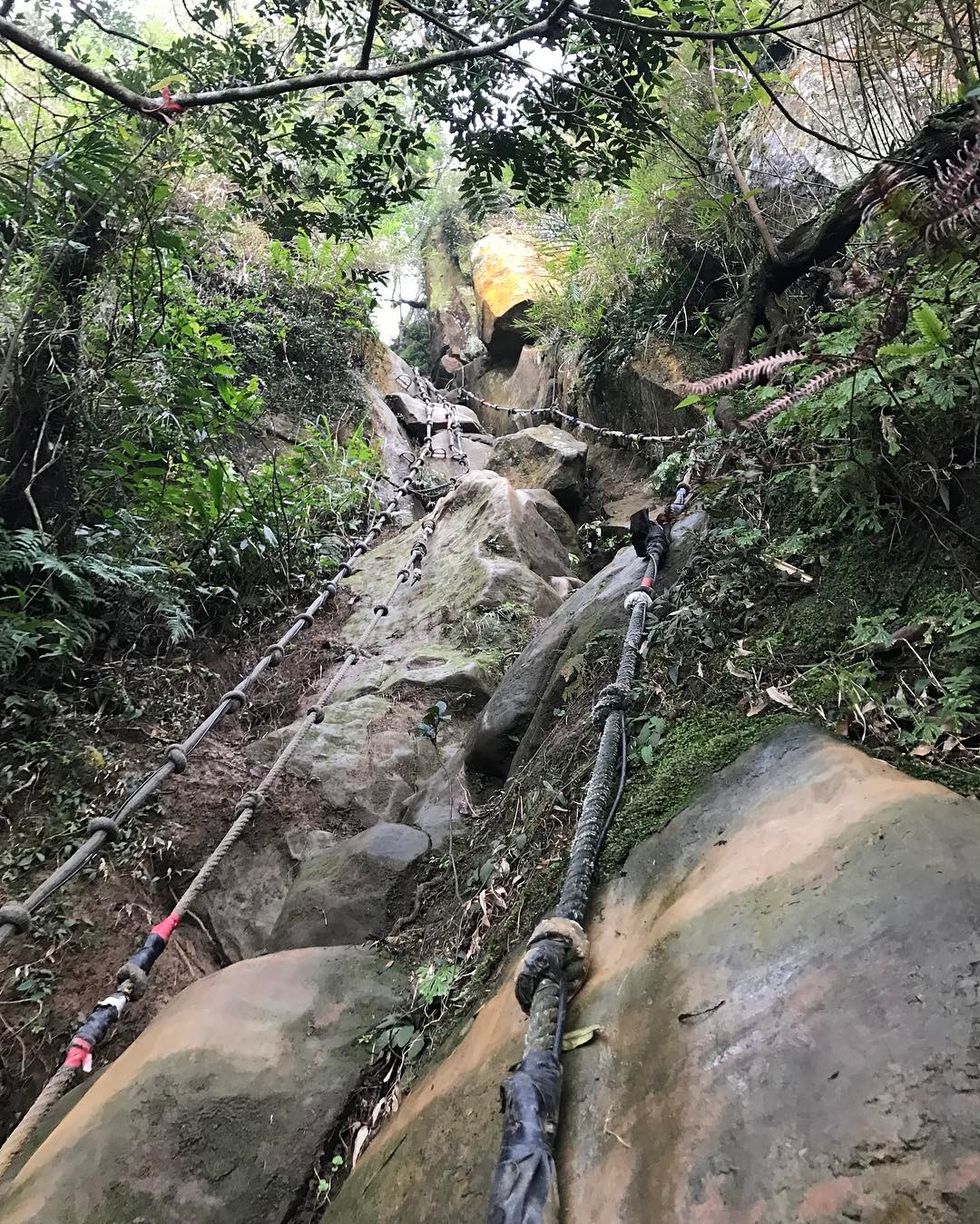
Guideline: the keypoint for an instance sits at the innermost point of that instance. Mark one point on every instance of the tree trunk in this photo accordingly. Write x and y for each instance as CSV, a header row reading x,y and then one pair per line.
x,y
37,484
823,237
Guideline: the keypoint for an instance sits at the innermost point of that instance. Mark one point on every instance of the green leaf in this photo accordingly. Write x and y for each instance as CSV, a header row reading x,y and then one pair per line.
x,y
930,326
216,486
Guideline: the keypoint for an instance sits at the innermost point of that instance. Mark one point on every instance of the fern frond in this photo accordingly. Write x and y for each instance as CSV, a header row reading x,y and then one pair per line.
x,y
964,217
878,193
811,387
957,182
750,372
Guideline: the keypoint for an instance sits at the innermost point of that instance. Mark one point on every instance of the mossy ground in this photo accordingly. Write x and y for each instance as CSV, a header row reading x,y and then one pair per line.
x,y
694,748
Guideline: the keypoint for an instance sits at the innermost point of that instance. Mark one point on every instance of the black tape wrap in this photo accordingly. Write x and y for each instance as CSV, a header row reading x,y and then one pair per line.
x,y
524,1189
100,1020
147,955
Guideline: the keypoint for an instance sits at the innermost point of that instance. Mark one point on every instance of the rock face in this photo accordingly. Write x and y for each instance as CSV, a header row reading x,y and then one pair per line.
x,y
507,276
413,413
787,984
883,103
514,722
476,447
544,457
640,395
490,548
342,896
217,1111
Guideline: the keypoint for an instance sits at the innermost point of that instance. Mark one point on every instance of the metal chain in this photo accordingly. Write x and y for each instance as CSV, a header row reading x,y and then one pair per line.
x,y
603,434
16,916
132,978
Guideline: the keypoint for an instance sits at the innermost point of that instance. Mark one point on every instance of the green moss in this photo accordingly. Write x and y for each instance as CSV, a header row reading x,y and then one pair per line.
x,y
858,581
693,749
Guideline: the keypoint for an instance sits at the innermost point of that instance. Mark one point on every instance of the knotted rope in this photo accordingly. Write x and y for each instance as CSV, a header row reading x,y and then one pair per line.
x,y
132,979
555,966
16,916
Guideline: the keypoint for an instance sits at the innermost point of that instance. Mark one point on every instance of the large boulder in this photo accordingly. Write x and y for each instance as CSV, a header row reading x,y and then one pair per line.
x,y
641,395
414,414
508,274
516,719
544,457
476,447
884,100
348,894
786,985
453,339
554,515
362,766
489,565
218,1110
526,386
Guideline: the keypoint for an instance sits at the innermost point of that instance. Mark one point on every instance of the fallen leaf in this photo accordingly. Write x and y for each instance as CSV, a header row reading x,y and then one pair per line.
x,y
580,1037
359,1142
734,671
921,750
777,695
757,707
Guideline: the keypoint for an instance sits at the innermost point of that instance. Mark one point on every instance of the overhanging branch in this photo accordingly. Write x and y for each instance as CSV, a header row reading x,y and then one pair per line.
x,y
142,104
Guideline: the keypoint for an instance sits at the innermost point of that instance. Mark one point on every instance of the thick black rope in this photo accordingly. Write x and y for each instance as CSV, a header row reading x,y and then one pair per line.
x,y
524,1188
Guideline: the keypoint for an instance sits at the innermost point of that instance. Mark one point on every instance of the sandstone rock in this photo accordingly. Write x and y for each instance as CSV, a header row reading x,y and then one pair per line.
x,y
476,447
547,506
218,1110
640,395
304,844
413,414
490,548
507,276
619,512
544,457
892,94
453,335
388,372
391,438
786,983
244,899
346,895
526,385
361,766
516,719
565,586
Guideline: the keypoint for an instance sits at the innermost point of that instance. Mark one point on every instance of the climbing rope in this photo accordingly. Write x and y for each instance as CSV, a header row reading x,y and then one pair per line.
x,y
132,979
555,966
615,437
16,916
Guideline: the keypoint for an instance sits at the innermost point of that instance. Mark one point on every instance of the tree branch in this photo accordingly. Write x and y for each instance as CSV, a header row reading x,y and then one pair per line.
x,y
372,25
722,36
98,81
270,89
751,203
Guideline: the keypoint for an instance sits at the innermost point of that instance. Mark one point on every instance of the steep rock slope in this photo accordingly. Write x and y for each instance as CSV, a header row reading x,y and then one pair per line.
x,y
786,985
